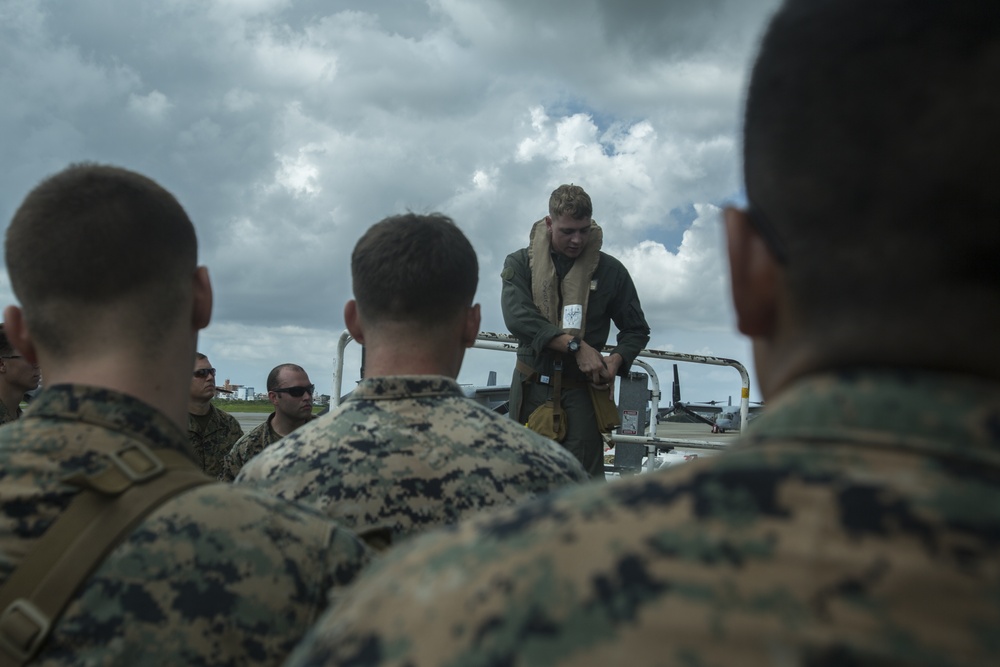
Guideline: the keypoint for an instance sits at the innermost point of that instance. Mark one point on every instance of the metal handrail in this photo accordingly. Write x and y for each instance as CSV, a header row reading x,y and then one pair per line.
x,y
505,342
338,366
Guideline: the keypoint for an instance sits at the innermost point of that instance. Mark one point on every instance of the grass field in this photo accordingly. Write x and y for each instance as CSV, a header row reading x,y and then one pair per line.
x,y
250,406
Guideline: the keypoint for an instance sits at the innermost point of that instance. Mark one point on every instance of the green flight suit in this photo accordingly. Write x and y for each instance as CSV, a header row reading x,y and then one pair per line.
x,y
613,298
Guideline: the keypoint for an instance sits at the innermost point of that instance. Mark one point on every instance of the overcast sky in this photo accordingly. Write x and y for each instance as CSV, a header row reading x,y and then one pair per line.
x,y
286,128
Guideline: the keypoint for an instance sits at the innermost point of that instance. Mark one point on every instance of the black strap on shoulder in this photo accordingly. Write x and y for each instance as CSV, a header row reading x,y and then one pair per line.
x,y
109,505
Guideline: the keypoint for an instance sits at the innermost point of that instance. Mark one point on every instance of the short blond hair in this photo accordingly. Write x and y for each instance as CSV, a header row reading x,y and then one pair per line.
x,y
571,200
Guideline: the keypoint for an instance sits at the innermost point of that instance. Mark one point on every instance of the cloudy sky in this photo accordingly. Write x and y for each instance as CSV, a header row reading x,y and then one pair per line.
x,y
287,127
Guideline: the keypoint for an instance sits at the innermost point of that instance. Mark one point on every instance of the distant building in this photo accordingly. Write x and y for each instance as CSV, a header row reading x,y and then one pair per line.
x,y
246,394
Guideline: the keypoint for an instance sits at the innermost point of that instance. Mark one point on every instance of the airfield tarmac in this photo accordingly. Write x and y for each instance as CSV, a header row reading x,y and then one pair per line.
x,y
695,435
250,420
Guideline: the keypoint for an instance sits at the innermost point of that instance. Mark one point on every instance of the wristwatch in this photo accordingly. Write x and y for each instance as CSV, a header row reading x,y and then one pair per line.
x,y
574,345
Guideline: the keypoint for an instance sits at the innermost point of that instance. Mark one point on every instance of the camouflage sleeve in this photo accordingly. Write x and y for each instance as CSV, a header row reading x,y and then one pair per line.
x,y
219,443
247,447
233,460
229,468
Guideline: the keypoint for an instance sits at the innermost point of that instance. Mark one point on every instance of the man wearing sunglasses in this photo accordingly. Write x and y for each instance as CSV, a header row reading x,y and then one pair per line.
x,y
291,394
212,431
17,377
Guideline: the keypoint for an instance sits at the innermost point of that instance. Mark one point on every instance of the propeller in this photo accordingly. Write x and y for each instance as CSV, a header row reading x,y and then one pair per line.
x,y
680,406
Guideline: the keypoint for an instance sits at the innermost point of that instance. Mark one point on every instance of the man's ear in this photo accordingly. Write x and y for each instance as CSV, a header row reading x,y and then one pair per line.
x,y
754,276
352,319
470,329
17,333
201,311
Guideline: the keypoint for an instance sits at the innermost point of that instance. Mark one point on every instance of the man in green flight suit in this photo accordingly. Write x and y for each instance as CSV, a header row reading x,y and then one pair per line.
x,y
560,295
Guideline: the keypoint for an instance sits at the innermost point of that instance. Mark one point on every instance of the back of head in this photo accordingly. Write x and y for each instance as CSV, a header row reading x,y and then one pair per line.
x,y
95,238
570,200
415,269
871,143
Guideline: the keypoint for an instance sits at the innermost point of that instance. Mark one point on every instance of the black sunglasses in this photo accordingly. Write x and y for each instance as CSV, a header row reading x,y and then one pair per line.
x,y
204,372
296,392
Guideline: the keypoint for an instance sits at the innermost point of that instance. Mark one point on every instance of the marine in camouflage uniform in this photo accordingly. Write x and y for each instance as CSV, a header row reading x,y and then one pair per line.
x,y
250,445
215,576
858,525
406,453
213,442
6,416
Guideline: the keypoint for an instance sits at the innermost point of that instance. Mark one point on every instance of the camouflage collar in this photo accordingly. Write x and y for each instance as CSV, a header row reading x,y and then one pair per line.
x,y
938,413
405,386
108,409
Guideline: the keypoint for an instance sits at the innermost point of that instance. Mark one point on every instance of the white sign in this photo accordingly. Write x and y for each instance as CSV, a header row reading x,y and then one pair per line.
x,y
630,422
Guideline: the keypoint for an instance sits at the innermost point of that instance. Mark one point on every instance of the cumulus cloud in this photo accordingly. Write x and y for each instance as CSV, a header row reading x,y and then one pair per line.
x,y
688,285
153,107
286,128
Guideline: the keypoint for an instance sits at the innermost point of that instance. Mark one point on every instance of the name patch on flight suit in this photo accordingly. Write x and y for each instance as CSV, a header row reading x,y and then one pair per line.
x,y
572,316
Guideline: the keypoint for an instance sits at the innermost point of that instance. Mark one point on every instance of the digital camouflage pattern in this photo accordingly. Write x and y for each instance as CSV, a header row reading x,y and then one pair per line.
x,y
6,415
613,298
250,445
858,524
215,576
247,447
406,453
212,443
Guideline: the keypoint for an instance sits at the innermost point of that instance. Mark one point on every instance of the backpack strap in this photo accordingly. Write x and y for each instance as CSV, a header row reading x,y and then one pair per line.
x,y
109,505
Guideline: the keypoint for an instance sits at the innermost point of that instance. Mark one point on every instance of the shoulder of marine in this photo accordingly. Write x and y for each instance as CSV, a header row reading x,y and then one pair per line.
x,y
812,543
195,580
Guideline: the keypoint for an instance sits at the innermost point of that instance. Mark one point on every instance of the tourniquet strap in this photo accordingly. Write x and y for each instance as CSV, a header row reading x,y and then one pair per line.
x,y
558,416
110,504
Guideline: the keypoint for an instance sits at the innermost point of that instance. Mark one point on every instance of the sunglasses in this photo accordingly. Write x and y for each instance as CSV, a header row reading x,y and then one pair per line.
x,y
296,392
204,373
